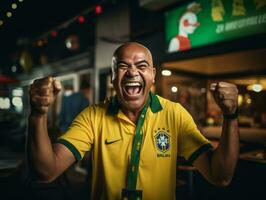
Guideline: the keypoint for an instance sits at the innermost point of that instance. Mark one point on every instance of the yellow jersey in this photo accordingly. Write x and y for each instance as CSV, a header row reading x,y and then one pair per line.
x,y
168,132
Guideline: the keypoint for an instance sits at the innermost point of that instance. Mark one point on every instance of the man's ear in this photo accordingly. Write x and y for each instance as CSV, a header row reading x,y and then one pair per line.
x,y
111,74
154,74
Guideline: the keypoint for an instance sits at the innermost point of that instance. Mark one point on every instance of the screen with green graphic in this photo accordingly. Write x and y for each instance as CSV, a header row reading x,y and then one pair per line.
x,y
204,22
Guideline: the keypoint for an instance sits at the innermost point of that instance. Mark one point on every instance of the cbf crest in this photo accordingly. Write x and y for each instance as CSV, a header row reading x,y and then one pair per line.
x,y
162,142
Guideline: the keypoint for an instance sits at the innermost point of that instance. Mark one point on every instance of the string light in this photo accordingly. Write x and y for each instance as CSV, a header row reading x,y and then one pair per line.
x,y
14,6
81,19
9,14
98,9
54,34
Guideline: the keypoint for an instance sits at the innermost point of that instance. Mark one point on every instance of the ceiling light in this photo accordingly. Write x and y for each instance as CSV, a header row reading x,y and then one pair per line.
x,y
1,22
174,89
166,72
257,87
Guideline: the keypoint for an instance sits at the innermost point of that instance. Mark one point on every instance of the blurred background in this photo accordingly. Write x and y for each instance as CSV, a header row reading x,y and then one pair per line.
x,y
194,43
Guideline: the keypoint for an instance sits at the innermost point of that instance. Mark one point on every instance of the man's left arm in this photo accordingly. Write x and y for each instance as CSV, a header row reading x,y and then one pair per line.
x,y
218,166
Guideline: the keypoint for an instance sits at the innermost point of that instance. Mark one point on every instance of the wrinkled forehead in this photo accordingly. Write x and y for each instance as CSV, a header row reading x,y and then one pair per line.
x,y
133,52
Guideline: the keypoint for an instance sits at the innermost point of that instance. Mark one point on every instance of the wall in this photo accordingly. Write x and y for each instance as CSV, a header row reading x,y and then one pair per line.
x,y
112,30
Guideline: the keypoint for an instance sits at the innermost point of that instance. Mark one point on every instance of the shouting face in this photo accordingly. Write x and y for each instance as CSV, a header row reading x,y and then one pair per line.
x,y
133,75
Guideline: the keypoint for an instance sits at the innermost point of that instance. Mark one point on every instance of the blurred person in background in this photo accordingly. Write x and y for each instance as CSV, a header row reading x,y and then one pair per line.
x,y
73,104
136,136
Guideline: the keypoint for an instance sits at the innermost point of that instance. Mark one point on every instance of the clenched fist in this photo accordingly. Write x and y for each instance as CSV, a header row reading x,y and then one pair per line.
x,y
42,94
225,95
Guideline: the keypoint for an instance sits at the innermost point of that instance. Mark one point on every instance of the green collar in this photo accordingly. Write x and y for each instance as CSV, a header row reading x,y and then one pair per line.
x,y
155,104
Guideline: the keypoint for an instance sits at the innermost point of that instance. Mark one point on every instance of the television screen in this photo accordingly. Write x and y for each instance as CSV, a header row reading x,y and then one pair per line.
x,y
204,22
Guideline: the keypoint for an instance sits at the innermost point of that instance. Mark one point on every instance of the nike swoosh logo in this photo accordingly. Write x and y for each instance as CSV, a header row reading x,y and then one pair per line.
x,y
111,141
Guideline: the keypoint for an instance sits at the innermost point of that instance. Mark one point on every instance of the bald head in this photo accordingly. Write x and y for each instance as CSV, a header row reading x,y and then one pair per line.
x,y
132,48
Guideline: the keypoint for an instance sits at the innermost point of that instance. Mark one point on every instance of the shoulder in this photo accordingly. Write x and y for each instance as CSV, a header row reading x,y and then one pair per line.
x,y
174,110
100,107
95,109
169,105
170,108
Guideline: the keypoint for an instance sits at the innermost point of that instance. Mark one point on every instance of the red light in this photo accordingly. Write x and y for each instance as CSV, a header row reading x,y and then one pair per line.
x,y
98,9
54,34
81,19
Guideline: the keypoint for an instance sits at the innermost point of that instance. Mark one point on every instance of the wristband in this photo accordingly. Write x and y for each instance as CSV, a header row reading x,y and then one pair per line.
x,y
232,116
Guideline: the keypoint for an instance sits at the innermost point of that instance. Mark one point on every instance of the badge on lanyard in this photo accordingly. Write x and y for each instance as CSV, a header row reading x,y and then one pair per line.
x,y
131,194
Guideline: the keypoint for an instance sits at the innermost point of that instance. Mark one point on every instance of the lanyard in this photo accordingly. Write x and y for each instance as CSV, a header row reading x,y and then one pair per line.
x,y
135,153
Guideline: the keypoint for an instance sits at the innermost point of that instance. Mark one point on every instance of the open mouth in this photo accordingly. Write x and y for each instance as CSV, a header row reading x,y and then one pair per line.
x,y
132,89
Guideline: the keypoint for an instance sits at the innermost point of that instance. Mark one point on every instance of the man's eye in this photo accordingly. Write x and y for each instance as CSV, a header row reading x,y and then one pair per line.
x,y
122,66
142,66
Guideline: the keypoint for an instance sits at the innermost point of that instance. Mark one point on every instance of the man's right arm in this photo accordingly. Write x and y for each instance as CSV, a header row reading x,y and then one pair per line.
x,y
48,160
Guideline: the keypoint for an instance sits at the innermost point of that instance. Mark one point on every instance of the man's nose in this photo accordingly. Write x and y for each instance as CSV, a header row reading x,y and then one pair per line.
x,y
132,71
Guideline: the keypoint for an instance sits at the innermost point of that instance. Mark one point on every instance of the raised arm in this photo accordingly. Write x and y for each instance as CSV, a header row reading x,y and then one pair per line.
x,y
48,160
218,167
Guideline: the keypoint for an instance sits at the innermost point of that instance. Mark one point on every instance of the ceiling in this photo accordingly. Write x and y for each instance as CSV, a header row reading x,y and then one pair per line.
x,y
158,4
244,62
236,62
33,18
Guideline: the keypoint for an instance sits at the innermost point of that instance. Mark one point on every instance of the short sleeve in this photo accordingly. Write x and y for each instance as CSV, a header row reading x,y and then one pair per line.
x,y
79,137
191,143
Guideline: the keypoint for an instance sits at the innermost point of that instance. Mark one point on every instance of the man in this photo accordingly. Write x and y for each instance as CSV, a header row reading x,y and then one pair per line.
x,y
135,136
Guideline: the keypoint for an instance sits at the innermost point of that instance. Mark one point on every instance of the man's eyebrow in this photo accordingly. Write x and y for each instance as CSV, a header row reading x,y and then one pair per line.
x,y
122,62
141,62
137,63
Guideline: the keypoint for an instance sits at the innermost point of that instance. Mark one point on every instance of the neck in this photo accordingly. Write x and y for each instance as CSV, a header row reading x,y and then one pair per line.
x,y
132,115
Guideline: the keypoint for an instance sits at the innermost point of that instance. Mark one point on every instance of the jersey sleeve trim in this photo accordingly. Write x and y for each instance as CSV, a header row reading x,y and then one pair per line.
x,y
71,147
198,152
